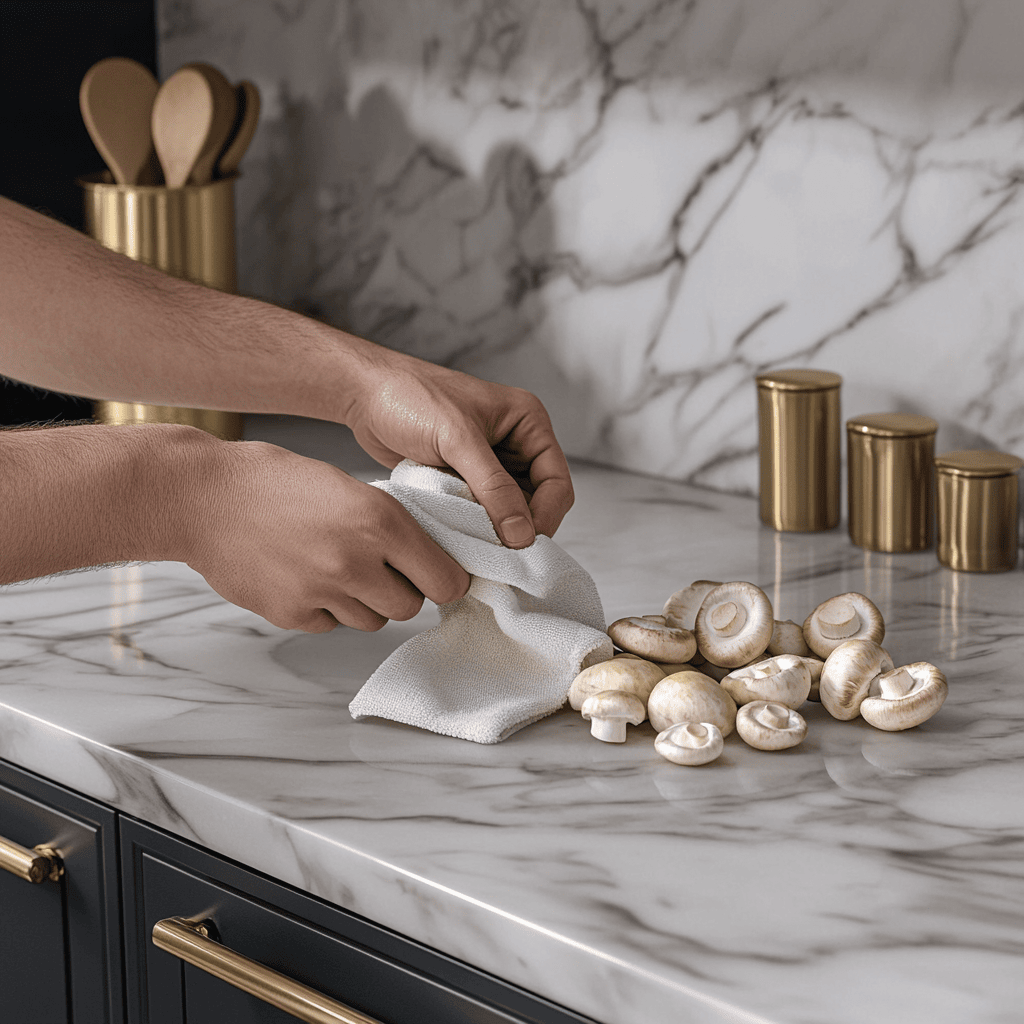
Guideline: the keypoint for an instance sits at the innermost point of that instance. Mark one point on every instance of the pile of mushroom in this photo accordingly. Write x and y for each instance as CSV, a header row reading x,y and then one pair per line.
x,y
716,661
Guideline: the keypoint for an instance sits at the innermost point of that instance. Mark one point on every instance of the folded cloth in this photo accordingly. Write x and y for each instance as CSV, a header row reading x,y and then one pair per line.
x,y
504,655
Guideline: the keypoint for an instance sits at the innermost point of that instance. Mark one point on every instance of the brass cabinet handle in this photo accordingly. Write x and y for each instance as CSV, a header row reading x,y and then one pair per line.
x,y
40,864
190,941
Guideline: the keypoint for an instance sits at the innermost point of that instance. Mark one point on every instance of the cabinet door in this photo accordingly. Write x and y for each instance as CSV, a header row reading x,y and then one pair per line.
x,y
339,955
59,939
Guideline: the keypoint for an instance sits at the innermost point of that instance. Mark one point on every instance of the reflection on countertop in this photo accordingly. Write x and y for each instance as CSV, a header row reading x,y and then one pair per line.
x,y
860,876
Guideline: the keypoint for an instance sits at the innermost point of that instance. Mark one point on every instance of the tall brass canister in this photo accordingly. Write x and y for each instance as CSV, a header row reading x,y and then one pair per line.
x,y
189,233
798,413
890,460
978,527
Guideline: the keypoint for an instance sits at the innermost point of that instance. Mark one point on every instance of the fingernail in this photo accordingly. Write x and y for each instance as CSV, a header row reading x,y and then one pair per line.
x,y
517,531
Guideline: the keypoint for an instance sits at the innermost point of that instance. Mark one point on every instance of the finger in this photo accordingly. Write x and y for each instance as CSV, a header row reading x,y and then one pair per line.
x,y
390,593
495,489
553,493
350,611
418,563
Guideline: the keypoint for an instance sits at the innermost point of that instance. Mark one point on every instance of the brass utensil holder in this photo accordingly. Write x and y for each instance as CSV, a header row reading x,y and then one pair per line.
x,y
187,232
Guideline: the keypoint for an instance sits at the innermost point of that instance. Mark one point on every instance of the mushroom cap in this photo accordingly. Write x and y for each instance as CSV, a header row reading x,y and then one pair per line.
x,y
682,607
847,675
630,675
689,742
654,640
788,638
904,697
690,697
734,624
783,680
719,672
614,704
814,666
844,617
767,725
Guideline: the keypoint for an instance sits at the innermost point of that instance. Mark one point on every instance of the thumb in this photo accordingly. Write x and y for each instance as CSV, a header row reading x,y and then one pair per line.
x,y
499,494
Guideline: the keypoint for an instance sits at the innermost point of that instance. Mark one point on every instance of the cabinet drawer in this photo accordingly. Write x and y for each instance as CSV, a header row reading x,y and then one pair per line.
x,y
59,939
340,955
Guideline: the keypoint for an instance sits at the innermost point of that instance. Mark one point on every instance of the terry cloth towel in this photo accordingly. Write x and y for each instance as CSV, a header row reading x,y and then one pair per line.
x,y
504,655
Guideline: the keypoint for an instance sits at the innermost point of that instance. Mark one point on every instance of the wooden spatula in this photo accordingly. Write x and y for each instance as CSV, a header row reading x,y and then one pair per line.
x,y
116,99
246,119
225,105
183,114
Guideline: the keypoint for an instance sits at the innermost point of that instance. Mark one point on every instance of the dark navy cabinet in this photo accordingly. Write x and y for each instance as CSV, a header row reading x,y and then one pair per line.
x,y
80,949
60,939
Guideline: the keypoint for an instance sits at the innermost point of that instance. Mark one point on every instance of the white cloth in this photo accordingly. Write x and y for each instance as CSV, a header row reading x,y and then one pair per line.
x,y
504,655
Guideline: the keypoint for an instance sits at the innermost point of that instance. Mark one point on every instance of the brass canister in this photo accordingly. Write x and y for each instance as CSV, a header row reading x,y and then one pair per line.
x,y
978,527
189,233
890,459
798,415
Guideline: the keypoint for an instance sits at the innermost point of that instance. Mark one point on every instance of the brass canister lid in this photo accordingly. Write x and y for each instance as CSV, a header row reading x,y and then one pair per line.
x,y
892,424
977,463
799,380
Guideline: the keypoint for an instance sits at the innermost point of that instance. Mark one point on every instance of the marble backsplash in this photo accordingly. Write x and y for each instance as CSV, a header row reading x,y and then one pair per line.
x,y
633,206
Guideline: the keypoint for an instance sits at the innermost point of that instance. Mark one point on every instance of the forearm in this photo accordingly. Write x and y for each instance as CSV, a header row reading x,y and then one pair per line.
x,y
77,318
79,496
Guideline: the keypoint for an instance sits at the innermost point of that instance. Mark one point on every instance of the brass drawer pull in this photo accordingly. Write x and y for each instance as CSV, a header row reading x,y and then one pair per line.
x,y
190,941
40,864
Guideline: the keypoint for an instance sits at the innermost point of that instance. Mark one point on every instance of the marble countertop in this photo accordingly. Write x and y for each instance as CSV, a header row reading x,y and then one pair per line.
x,y
862,876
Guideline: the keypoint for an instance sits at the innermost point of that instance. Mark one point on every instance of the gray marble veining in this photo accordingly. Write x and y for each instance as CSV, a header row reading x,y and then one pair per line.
x,y
632,207
861,876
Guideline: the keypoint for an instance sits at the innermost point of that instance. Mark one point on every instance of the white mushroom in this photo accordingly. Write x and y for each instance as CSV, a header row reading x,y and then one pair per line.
x,y
904,697
788,638
845,617
690,742
782,680
654,640
682,607
770,726
734,624
847,675
814,666
690,697
609,711
719,672
630,675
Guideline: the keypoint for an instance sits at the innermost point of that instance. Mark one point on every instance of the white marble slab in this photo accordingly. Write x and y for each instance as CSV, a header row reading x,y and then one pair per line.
x,y
631,208
862,876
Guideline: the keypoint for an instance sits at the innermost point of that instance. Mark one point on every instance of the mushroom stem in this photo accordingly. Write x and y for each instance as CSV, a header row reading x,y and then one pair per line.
x,y
894,685
774,715
695,729
611,730
727,618
839,620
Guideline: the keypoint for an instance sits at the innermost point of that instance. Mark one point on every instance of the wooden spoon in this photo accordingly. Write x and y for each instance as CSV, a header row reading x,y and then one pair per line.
x,y
116,99
225,105
182,118
247,118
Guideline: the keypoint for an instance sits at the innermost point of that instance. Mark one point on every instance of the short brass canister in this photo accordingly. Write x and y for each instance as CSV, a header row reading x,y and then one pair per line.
x,y
189,233
890,460
798,414
978,527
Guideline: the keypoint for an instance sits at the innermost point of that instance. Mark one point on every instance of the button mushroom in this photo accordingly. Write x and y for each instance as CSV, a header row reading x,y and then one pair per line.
x,y
783,680
734,624
690,742
847,675
904,697
788,638
814,666
609,711
682,607
770,726
655,640
845,617
630,675
690,697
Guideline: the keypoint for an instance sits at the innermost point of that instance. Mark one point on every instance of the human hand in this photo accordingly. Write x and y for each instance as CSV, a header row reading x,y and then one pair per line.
x,y
498,439
305,545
